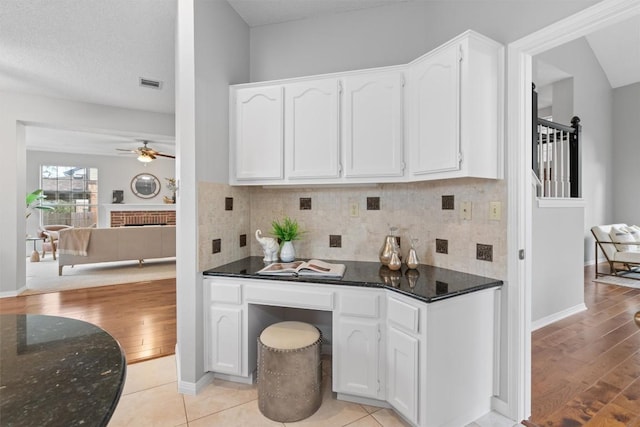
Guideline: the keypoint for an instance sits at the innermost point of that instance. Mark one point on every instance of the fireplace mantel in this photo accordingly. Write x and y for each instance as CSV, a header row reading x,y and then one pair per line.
x,y
104,219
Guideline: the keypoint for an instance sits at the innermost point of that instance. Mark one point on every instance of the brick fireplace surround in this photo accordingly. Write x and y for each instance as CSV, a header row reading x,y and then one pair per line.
x,y
124,218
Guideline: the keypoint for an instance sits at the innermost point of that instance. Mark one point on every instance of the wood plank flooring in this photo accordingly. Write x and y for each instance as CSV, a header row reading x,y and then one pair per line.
x,y
141,316
586,368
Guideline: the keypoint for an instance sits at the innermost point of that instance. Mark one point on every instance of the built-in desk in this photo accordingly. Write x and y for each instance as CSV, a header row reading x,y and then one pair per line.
x,y
422,341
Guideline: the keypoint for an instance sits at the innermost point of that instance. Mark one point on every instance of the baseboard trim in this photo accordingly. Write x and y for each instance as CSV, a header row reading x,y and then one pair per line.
x,y
500,406
594,262
540,323
191,388
9,294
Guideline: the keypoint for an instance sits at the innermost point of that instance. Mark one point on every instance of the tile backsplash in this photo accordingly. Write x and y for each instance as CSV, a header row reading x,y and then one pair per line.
x,y
415,208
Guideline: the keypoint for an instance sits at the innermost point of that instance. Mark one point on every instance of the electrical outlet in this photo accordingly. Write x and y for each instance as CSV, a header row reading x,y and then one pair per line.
x,y
465,210
495,211
354,210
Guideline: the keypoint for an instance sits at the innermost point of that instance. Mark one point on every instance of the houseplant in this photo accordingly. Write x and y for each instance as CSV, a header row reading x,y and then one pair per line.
x,y
34,201
286,231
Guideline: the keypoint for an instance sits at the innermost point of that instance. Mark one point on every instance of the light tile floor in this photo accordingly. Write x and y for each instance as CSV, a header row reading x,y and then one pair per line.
x,y
150,398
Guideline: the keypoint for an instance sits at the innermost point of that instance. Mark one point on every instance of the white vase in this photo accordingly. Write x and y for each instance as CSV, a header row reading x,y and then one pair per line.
x,y
287,253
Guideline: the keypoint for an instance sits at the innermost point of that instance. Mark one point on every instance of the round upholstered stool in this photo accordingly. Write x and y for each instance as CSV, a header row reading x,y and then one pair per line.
x,y
289,371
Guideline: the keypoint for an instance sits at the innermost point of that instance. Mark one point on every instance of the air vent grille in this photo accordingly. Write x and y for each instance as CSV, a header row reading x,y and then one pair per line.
x,y
153,84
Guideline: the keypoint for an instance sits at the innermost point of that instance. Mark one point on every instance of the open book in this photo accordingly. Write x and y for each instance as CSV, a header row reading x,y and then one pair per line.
x,y
312,267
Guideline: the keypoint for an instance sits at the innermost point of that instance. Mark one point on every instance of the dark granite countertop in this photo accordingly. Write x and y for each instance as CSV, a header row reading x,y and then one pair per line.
x,y
57,371
426,283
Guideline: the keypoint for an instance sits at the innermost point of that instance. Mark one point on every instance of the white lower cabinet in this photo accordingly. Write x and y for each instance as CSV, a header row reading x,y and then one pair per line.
x,y
402,373
357,367
405,335
433,363
225,328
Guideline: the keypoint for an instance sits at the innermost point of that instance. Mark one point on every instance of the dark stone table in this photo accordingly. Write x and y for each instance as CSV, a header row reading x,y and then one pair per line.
x,y
56,371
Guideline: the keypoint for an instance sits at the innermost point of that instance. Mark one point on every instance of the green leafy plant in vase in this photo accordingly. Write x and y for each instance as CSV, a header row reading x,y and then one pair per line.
x,y
287,231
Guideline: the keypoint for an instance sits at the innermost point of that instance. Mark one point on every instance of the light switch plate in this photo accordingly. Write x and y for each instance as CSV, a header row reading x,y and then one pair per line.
x,y
465,210
495,211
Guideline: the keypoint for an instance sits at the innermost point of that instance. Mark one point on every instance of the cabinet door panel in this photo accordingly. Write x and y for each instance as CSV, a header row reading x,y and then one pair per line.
x,y
259,133
311,129
435,112
402,373
373,125
357,364
226,348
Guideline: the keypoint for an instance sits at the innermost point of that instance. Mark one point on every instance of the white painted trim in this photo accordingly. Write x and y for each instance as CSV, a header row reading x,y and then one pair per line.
x,y
234,378
193,389
547,320
547,202
498,405
9,294
593,262
520,52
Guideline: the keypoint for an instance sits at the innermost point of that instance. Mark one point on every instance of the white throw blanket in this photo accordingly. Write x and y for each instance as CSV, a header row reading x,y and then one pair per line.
x,y
74,241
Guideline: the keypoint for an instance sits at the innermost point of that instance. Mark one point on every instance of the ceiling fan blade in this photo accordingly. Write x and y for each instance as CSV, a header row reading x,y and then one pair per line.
x,y
124,149
166,155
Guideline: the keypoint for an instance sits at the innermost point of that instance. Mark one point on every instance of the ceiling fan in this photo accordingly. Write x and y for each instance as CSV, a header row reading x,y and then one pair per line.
x,y
145,153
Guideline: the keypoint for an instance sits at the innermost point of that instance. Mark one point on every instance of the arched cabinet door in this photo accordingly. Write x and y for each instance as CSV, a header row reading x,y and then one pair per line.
x,y
435,112
257,132
312,129
373,125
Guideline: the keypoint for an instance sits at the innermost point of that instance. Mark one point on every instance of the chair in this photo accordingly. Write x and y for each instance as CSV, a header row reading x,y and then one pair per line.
x,y
50,234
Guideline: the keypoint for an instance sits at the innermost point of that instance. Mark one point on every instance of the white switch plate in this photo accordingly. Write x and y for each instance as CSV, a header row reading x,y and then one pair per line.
x,y
465,210
495,211
354,210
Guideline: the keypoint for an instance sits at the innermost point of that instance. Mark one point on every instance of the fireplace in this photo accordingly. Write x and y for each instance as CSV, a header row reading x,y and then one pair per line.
x,y
142,217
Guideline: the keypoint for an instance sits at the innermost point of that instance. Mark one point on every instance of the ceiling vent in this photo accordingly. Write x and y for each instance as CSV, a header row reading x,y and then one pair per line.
x,y
153,84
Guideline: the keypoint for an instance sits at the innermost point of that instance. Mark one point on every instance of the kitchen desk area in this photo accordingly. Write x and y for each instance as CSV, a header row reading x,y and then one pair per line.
x,y
421,341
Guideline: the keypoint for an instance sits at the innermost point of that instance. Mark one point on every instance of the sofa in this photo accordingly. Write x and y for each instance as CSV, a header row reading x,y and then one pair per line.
x,y
120,244
620,244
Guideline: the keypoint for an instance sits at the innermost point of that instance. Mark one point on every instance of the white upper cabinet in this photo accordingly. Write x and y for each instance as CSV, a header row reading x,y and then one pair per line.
x,y
311,129
373,125
257,134
456,109
445,121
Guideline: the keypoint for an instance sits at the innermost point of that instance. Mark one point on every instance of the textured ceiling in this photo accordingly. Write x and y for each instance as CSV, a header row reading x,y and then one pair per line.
x,y
263,12
90,50
618,51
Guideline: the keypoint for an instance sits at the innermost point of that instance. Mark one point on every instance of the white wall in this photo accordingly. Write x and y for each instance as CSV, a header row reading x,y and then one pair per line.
x,y
557,282
593,103
626,154
391,35
212,53
114,173
17,109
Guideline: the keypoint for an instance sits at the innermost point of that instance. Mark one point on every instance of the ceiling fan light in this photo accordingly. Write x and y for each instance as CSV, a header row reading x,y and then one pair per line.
x,y
144,158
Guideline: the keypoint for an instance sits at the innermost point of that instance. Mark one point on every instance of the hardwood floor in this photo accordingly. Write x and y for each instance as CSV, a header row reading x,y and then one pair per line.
x,y
586,368
141,316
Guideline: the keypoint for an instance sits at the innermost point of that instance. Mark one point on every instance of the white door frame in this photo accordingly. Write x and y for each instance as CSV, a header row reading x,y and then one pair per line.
x,y
520,53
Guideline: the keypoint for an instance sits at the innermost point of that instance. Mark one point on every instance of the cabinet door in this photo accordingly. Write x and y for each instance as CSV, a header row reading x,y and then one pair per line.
x,y
373,125
357,357
402,373
225,354
311,129
435,112
257,142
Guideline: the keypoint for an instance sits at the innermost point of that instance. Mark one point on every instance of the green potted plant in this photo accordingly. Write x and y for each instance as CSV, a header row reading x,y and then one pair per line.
x,y
34,201
287,231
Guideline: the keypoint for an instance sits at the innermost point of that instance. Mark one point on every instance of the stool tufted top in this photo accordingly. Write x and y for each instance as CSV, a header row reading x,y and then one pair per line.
x,y
289,335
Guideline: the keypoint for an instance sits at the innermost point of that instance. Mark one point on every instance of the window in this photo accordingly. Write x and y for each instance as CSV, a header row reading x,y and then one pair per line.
x,y
72,192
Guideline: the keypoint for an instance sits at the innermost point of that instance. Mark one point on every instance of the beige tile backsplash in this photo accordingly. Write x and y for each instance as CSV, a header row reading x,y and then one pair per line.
x,y
416,209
